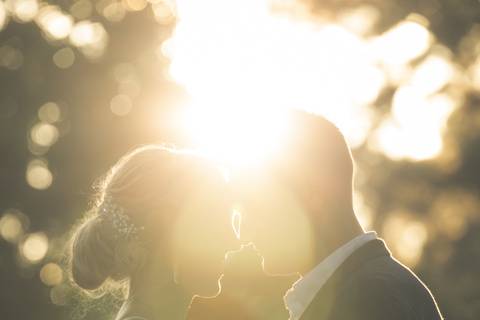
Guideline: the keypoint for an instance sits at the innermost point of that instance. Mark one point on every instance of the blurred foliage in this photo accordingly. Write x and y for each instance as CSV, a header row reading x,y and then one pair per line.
x,y
450,20
111,91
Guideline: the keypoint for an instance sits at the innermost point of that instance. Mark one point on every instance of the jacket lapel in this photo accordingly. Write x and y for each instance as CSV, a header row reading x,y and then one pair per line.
x,y
320,307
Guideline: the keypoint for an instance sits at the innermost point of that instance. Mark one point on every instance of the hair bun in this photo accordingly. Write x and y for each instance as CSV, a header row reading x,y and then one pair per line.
x,y
92,257
129,256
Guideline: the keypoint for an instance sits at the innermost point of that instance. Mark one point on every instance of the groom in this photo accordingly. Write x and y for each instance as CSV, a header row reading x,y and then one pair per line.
x,y
347,273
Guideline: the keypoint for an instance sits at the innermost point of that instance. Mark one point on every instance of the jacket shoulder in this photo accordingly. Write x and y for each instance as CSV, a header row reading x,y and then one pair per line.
x,y
384,289
372,296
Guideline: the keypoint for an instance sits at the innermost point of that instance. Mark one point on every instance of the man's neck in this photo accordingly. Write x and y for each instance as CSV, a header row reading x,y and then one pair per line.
x,y
332,235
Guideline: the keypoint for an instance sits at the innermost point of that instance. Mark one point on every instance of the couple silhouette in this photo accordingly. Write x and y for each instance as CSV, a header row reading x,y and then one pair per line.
x,y
163,225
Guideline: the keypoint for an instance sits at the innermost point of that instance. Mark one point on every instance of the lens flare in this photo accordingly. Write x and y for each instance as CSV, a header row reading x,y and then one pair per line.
x,y
11,228
38,175
35,247
51,274
232,136
49,112
25,10
64,58
56,24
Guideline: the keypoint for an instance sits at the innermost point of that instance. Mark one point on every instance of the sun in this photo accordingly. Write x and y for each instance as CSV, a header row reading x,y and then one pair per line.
x,y
236,136
243,62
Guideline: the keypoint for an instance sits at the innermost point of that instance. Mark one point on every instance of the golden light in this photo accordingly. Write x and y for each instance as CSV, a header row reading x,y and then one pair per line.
x,y
121,105
114,11
452,224
64,58
404,42
24,10
49,112
44,134
475,74
238,73
203,220
90,37
35,247
81,9
124,72
3,16
38,175
130,88
83,34
360,20
278,207
413,239
415,128
452,212
51,274
164,11
56,24
231,135
275,61
406,235
432,74
135,5
58,295
128,81
11,228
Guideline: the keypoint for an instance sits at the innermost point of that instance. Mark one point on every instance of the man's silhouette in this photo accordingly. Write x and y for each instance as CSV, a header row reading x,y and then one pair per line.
x,y
347,274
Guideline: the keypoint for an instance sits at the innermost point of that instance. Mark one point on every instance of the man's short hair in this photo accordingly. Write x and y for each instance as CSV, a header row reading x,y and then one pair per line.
x,y
316,149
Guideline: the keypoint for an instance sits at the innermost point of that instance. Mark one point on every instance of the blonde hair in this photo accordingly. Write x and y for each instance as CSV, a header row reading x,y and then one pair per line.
x,y
146,183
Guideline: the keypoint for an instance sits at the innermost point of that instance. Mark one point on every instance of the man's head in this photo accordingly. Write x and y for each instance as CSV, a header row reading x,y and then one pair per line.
x,y
303,193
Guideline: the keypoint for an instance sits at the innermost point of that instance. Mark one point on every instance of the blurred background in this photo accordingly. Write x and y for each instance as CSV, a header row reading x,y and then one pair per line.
x,y
82,82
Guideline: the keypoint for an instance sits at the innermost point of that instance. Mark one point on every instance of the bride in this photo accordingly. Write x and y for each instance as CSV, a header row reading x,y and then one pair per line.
x,y
162,224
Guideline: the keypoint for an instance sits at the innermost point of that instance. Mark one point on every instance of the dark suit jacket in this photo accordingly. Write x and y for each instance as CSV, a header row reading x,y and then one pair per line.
x,y
371,285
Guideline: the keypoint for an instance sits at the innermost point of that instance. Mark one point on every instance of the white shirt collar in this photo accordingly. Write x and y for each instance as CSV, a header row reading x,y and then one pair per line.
x,y
304,290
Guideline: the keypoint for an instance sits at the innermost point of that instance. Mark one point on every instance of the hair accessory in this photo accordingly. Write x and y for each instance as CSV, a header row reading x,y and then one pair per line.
x,y
121,222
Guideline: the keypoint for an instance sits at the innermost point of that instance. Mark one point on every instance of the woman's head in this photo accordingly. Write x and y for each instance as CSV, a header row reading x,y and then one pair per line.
x,y
160,210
